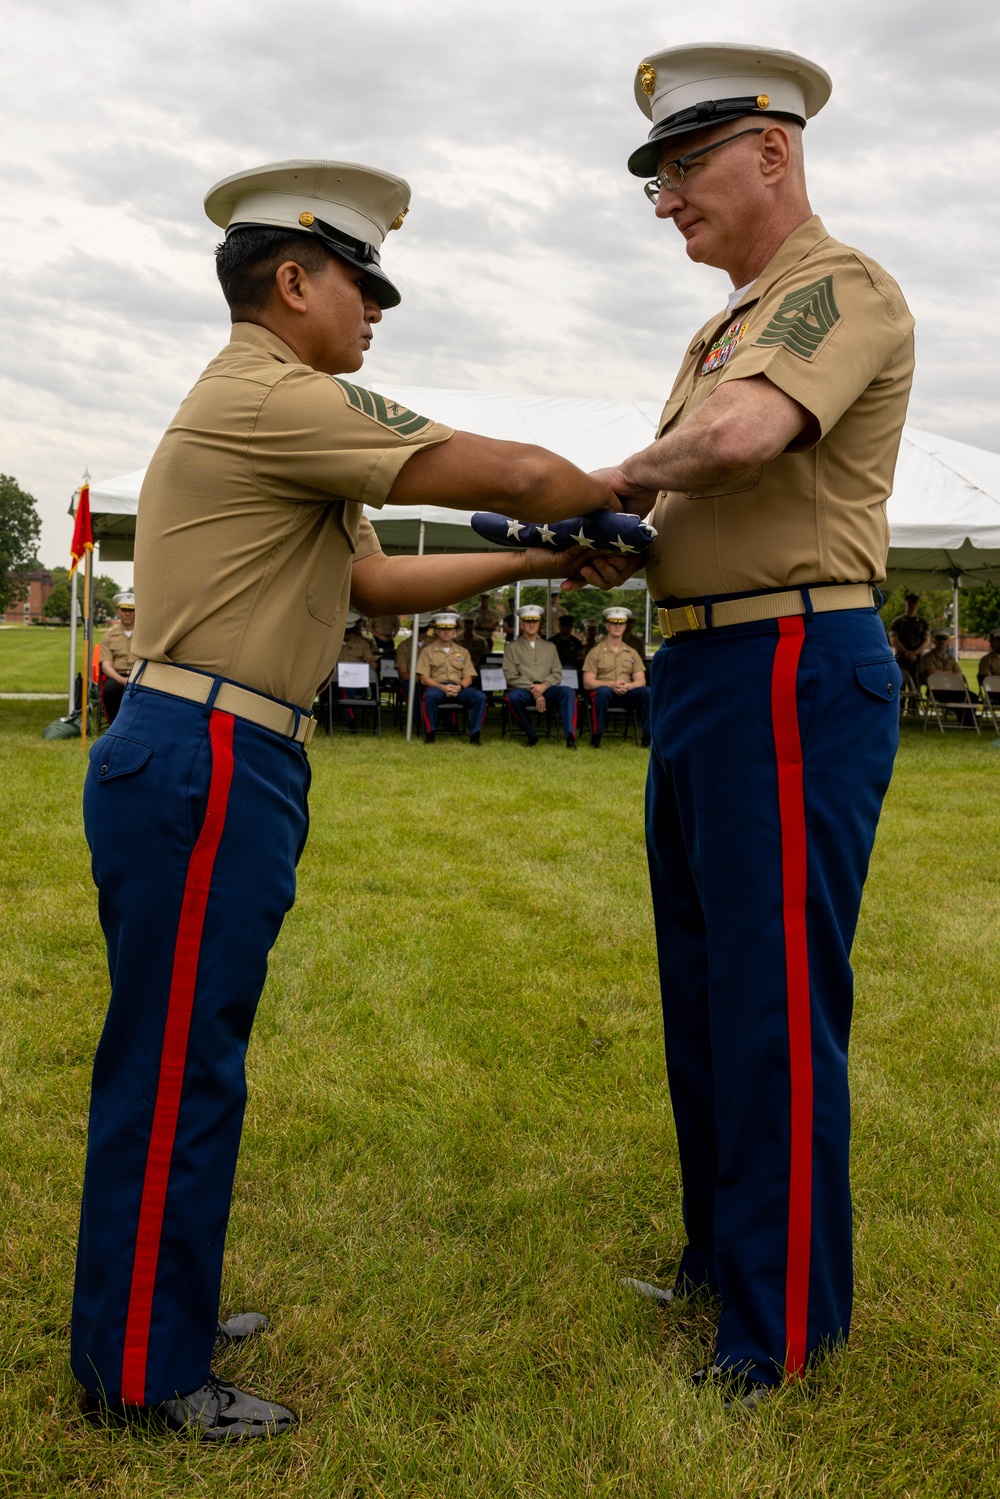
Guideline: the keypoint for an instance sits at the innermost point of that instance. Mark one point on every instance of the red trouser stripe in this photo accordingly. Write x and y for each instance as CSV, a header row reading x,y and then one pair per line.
x,y
792,814
172,1061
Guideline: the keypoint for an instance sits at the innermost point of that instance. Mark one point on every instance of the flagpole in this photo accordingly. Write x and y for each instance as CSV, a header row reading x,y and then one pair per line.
x,y
72,649
88,650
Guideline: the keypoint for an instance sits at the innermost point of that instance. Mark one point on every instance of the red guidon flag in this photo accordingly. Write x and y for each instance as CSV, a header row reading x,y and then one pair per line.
x,y
83,535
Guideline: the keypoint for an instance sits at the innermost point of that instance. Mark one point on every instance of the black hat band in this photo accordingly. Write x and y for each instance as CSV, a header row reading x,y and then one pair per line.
x,y
709,111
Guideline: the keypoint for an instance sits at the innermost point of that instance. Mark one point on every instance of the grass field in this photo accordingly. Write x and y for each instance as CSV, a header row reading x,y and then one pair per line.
x,y
458,1139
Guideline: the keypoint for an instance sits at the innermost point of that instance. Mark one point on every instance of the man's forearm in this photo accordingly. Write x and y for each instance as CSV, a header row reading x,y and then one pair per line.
x,y
740,426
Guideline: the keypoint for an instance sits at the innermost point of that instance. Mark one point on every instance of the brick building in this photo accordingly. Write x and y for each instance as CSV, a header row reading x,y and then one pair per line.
x,y
29,611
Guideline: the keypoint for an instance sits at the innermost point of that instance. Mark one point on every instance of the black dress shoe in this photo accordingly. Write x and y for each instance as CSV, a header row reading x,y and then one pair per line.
x,y
739,1390
595,741
216,1412
645,741
571,741
531,741
475,739
429,738
237,1329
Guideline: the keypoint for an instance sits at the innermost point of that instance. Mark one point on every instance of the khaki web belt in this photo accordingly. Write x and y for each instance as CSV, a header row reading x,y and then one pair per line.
x,y
824,599
239,701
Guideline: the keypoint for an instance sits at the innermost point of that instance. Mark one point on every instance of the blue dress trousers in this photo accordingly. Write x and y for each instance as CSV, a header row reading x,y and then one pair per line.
x,y
772,748
195,821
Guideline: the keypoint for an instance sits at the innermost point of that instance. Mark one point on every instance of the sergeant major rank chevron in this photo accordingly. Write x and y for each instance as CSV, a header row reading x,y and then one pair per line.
x,y
386,413
804,320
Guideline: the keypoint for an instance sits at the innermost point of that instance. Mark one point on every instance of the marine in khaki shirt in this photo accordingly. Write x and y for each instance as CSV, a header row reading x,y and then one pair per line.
x,y
939,658
356,648
445,664
816,512
989,665
290,456
251,541
116,648
606,664
775,697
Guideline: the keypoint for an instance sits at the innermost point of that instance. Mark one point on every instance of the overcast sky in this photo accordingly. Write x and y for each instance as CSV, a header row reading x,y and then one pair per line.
x,y
530,260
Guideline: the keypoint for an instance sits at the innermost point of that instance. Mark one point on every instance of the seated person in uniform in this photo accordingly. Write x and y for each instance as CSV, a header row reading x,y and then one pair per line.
x,y
445,670
117,659
569,647
939,657
485,619
615,672
355,649
384,629
908,636
589,636
473,643
989,665
534,674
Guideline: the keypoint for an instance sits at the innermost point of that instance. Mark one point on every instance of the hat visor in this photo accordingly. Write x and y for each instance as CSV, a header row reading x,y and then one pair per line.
x,y
378,283
645,162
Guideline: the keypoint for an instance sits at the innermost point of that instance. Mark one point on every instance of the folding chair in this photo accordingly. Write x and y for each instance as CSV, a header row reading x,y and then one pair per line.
x,y
990,705
911,704
621,714
493,682
949,693
452,717
353,699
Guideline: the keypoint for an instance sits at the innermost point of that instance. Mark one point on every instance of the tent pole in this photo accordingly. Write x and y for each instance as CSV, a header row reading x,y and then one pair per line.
x,y
411,695
954,611
548,608
71,703
649,620
517,605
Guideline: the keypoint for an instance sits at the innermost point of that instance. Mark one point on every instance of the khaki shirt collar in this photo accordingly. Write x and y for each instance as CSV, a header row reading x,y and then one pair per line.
x,y
263,338
800,243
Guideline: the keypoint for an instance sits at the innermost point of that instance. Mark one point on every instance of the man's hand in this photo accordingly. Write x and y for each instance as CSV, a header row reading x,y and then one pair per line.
x,y
579,566
620,688
451,689
634,499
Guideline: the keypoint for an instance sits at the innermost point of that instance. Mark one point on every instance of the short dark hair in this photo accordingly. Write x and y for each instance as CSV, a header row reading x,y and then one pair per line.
x,y
247,259
911,598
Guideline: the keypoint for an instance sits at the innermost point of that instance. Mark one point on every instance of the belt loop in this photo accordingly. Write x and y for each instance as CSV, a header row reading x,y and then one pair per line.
x,y
295,726
210,700
708,614
134,681
876,590
807,600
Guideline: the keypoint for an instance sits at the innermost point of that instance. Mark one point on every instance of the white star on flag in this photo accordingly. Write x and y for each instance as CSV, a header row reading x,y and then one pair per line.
x,y
514,529
622,545
547,534
581,539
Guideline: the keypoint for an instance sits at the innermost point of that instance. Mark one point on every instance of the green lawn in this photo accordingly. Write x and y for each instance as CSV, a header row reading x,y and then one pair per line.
x,y
458,1139
35,658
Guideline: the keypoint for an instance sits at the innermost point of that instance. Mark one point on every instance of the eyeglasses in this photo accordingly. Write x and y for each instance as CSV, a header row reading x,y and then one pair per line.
x,y
673,174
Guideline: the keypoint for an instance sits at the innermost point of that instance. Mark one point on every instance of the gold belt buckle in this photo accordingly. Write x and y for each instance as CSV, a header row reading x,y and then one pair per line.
x,y
691,614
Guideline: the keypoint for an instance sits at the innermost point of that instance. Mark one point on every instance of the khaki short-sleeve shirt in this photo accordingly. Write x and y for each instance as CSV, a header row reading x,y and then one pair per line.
x,y
830,328
989,665
116,649
935,660
251,514
356,648
445,665
614,666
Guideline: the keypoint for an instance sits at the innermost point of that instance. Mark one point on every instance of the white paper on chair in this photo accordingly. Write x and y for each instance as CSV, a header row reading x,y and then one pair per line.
x,y
352,674
388,668
492,679
570,678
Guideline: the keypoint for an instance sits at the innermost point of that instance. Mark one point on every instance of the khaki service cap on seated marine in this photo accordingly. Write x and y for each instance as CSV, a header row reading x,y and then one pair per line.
x,y
351,208
687,88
